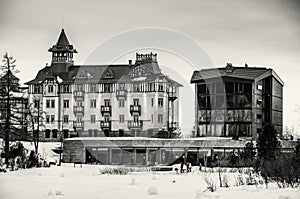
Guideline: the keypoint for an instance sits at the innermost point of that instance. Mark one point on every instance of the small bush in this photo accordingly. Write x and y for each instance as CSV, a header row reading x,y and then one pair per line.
x,y
133,182
50,193
152,191
59,193
199,193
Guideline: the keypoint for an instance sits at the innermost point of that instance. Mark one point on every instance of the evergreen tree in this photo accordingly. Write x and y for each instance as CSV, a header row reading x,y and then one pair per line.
x,y
268,145
8,84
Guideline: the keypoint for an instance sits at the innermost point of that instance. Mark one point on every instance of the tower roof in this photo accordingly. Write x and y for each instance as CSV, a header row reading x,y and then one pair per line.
x,y
62,44
62,40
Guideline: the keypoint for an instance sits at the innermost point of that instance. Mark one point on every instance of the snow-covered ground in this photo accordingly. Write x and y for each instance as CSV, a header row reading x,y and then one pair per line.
x,y
87,183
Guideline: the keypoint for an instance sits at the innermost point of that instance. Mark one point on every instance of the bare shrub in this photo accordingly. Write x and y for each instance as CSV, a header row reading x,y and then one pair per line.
x,y
211,184
152,191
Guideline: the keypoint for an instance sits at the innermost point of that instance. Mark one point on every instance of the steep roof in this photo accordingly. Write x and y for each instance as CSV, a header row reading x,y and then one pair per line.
x,y
62,40
94,73
62,44
249,73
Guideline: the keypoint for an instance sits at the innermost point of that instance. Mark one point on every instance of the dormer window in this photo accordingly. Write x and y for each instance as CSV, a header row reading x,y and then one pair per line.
x,y
109,75
229,68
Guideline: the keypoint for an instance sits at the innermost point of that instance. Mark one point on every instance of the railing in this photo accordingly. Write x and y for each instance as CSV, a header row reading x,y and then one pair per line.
x,y
121,93
78,109
79,94
172,95
135,108
105,124
135,124
105,109
78,124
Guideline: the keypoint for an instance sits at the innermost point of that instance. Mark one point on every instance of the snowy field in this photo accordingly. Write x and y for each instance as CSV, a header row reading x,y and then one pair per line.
x,y
87,183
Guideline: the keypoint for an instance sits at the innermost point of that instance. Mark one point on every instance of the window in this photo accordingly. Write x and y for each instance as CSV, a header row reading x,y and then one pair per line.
x,y
160,118
52,118
52,103
122,86
36,89
93,88
107,88
160,102
47,119
66,103
151,118
66,133
121,118
122,103
93,103
135,102
106,102
47,103
50,88
259,87
152,102
160,87
36,103
35,119
66,88
54,133
66,119
93,118
47,133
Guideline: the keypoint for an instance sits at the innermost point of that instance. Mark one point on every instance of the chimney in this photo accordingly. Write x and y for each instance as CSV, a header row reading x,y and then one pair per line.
x,y
130,62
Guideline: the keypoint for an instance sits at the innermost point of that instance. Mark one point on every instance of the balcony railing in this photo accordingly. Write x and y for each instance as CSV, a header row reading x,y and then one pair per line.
x,y
78,125
78,94
172,96
121,93
78,109
135,124
172,126
105,125
135,109
105,109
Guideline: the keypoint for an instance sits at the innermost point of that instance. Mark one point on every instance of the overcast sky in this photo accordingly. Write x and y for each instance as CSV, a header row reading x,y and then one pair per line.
x,y
261,33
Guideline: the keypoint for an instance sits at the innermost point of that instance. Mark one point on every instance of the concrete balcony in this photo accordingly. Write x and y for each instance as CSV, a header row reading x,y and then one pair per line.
x,y
78,125
135,109
105,125
78,109
135,124
121,94
105,109
78,94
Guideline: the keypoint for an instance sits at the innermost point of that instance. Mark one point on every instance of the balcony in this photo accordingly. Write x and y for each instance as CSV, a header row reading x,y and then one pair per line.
x,y
172,96
172,126
78,125
78,94
135,124
105,109
135,109
105,125
78,109
121,93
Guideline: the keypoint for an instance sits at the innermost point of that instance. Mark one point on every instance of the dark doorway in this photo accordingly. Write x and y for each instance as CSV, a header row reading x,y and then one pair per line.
x,y
106,132
121,133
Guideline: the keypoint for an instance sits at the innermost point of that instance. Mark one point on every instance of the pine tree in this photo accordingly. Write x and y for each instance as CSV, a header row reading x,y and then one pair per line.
x,y
268,145
8,84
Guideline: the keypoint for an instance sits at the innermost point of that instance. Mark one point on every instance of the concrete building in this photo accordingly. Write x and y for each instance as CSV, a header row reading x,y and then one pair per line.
x,y
133,99
237,101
